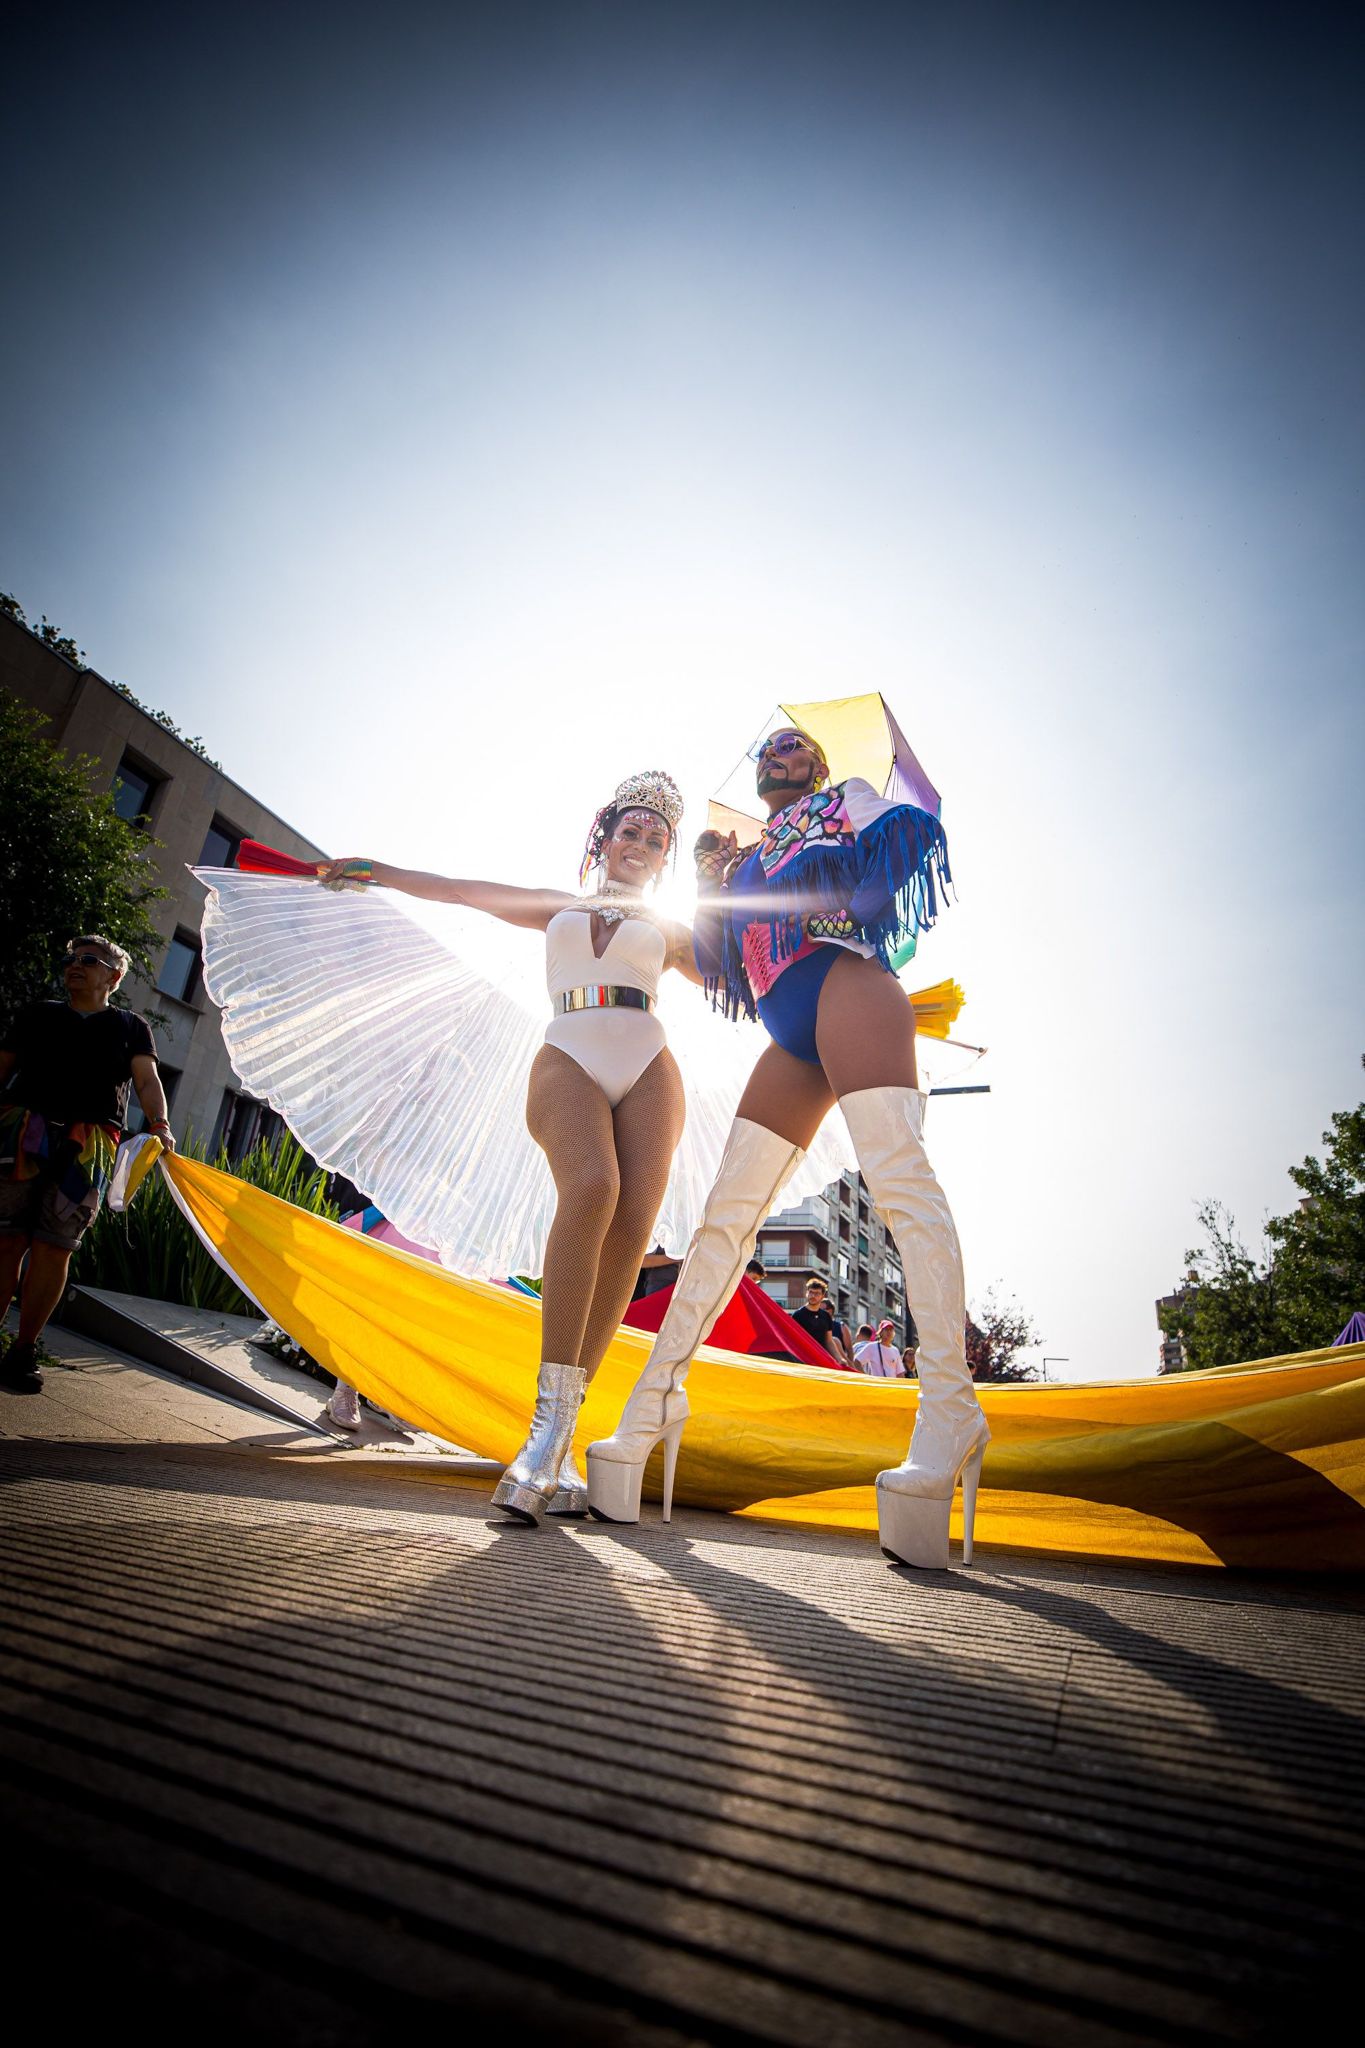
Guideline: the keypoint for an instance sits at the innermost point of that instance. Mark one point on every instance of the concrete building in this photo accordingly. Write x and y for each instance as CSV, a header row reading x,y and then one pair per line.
x,y
839,1238
1174,1357
201,816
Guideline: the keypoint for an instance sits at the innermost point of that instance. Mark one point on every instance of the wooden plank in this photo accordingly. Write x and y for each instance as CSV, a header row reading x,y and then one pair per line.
x,y
710,1782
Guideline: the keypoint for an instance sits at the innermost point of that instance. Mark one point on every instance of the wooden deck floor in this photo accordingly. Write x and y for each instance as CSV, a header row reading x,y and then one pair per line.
x,y
303,1746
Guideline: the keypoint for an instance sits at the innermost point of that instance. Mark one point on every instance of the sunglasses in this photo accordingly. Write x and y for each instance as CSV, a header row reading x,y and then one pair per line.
x,y
86,960
785,743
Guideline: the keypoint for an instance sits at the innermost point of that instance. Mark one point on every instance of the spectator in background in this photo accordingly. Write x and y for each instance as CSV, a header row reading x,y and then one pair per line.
x,y
66,1069
879,1356
756,1271
816,1320
658,1269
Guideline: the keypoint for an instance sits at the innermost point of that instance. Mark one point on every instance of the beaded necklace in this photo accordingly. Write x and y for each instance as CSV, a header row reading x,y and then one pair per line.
x,y
615,901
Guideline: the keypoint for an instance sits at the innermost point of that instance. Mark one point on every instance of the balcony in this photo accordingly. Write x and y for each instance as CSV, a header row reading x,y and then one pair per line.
x,y
808,1216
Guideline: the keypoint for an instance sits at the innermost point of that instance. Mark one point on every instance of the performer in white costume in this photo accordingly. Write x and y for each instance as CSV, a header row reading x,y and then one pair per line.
x,y
604,1103
802,928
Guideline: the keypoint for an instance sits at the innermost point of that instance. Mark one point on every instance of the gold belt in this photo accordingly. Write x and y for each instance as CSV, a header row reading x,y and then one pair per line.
x,y
602,997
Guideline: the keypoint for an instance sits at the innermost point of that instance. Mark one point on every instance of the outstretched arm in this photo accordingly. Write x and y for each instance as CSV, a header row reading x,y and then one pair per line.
x,y
532,908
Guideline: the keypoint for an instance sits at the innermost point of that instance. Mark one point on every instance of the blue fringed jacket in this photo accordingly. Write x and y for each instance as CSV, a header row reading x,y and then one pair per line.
x,y
840,865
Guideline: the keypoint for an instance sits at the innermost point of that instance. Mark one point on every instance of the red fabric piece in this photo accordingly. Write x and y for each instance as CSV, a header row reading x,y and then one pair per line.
x,y
258,859
750,1322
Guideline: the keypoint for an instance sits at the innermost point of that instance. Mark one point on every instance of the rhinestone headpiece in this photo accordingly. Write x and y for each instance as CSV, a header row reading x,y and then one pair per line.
x,y
651,791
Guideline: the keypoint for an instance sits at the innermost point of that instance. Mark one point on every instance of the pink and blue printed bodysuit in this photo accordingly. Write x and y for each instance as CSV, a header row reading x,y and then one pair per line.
x,y
839,868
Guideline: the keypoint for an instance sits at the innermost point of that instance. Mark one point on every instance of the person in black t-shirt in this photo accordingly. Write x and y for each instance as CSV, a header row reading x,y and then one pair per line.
x,y
66,1069
816,1320
658,1269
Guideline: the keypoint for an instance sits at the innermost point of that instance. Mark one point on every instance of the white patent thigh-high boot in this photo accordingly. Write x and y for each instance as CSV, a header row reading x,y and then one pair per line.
x,y
915,1498
754,1168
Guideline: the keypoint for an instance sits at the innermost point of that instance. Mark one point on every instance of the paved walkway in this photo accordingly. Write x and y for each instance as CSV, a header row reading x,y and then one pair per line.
x,y
297,1740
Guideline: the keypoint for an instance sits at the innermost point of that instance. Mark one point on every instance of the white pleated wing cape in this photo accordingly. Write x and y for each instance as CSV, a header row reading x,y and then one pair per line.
x,y
399,1065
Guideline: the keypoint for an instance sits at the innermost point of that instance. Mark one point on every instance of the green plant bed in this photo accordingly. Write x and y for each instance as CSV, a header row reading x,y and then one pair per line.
x,y
150,1249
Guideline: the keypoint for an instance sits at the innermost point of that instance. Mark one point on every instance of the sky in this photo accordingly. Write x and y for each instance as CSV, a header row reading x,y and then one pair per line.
x,y
449,411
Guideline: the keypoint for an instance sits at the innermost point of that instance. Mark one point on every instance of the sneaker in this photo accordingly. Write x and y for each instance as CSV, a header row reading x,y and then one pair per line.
x,y
19,1370
344,1407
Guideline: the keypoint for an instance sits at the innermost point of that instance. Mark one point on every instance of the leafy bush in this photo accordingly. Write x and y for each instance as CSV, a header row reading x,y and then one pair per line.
x,y
151,1250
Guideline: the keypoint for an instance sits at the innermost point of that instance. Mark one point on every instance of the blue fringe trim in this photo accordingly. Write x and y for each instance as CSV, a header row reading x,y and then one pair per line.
x,y
905,878
892,881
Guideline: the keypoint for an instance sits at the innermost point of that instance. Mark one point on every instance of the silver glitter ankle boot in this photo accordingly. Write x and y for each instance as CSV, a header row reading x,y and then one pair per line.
x,y
532,1479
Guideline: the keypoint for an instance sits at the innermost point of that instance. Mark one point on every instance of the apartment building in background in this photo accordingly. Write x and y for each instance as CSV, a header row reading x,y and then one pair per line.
x,y
1173,1356
201,816
839,1238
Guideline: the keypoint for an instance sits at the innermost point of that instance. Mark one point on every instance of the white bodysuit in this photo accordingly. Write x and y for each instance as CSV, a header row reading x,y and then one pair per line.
x,y
614,1046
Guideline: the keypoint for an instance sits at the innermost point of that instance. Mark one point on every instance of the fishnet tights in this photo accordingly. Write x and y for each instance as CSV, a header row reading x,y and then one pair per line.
x,y
610,1172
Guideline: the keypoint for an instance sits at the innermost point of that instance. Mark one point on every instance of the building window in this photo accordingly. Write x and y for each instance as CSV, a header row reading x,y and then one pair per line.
x,y
221,842
241,1123
777,1251
181,969
134,786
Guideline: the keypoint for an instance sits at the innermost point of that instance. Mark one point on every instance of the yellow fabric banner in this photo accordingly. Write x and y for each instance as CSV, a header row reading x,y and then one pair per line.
x,y
1259,1465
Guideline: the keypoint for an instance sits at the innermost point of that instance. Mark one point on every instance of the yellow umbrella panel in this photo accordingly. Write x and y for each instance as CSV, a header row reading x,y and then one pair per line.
x,y
859,736
1261,1466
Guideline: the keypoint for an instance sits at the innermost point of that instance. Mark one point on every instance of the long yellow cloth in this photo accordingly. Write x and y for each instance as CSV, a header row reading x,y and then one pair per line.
x,y
1260,1465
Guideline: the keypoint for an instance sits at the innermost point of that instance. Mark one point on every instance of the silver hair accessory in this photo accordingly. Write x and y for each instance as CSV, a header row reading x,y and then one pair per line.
x,y
651,791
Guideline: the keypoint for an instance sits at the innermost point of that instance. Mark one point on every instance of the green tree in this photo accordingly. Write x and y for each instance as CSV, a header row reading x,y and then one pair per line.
x,y
996,1333
1296,1293
1229,1310
1320,1245
68,862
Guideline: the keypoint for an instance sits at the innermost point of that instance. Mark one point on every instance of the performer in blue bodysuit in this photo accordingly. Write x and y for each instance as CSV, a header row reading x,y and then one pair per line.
x,y
801,929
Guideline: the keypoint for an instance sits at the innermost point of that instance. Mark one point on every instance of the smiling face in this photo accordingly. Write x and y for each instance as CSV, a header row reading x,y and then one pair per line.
x,y
637,849
787,766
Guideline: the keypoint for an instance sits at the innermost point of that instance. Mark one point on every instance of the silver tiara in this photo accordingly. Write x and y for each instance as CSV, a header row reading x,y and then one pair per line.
x,y
651,791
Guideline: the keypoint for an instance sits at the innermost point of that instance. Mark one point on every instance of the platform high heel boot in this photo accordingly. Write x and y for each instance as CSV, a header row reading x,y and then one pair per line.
x,y
754,1168
915,1498
535,1476
570,1496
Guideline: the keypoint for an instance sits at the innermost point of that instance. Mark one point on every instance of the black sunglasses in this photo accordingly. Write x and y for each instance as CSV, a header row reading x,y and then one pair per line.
x,y
86,960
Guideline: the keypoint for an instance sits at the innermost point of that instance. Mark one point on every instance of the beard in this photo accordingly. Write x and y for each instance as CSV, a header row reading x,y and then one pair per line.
x,y
771,778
